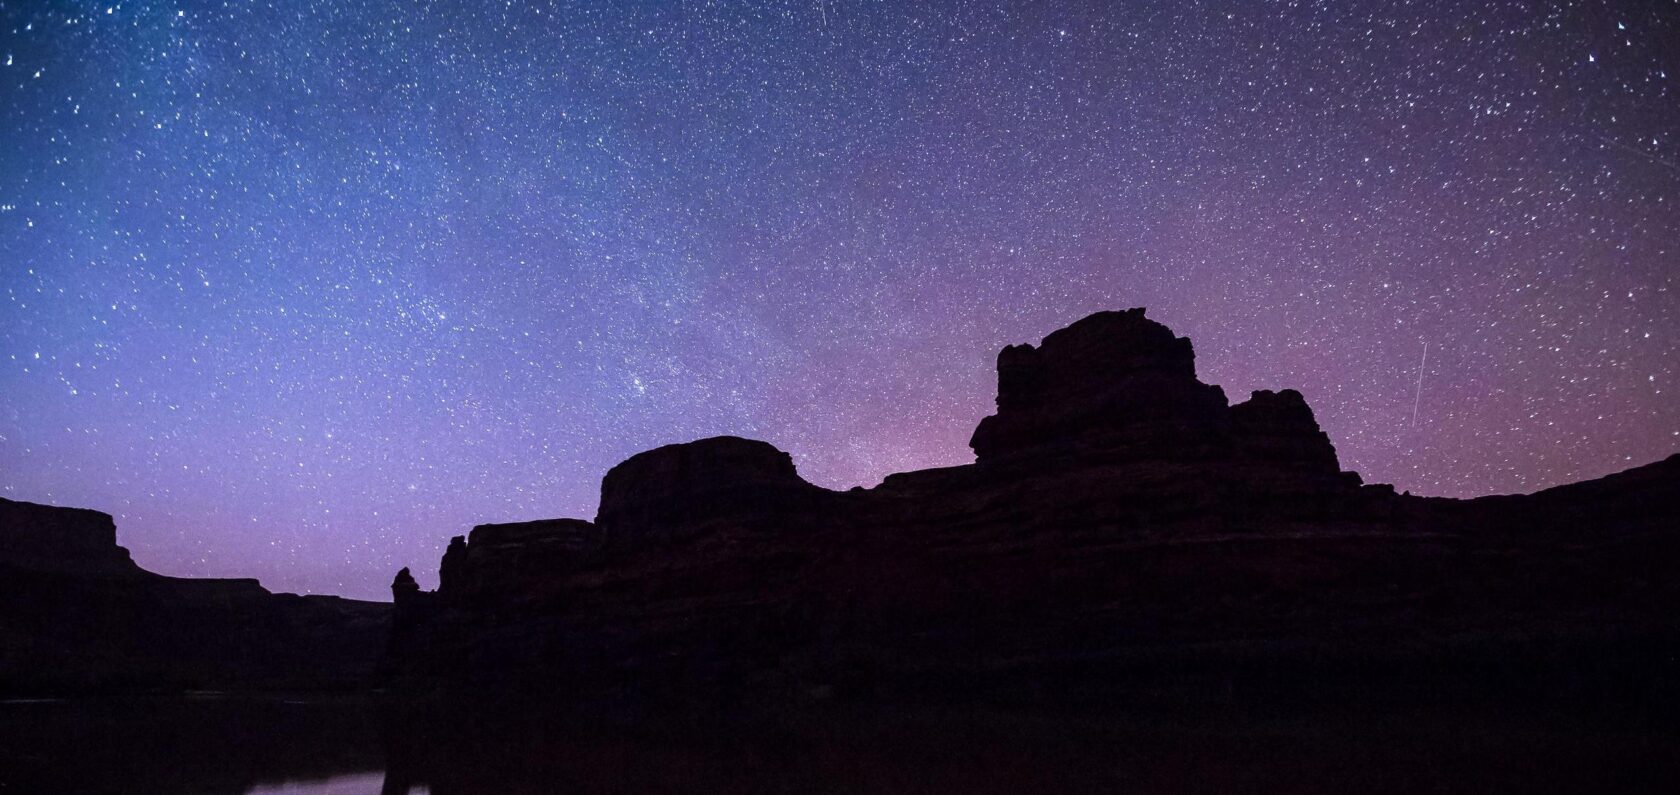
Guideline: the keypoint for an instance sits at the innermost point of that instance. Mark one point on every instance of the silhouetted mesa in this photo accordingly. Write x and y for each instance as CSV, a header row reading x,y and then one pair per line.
x,y
1123,528
61,539
77,614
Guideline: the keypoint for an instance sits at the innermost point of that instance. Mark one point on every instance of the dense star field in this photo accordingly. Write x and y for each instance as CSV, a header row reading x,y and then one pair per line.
x,y
297,290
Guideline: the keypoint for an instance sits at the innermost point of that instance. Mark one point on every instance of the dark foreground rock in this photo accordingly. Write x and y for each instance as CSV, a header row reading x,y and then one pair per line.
x,y
1124,530
234,746
77,615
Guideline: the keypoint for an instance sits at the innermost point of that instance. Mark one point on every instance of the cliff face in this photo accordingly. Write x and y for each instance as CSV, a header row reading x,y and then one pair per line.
x,y
1122,523
61,539
77,614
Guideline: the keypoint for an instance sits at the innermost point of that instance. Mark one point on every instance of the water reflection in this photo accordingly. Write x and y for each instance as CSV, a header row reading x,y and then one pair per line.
x,y
201,744
355,746
353,784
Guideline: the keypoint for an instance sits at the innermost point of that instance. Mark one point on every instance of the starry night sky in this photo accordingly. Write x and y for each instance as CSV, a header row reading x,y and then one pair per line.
x,y
297,290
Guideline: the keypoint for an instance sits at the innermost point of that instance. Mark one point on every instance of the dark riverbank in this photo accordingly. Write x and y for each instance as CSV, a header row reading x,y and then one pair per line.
x,y
237,744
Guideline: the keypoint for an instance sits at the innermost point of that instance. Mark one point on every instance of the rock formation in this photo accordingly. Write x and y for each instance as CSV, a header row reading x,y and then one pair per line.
x,y
1115,383
61,539
1123,526
475,565
403,587
1278,429
77,614
1124,530
684,489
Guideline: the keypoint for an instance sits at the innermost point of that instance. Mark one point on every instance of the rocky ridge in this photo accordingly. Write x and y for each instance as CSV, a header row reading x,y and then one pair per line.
x,y
77,614
1123,526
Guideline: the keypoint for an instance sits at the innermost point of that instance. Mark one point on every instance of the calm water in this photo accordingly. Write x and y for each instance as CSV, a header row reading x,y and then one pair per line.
x,y
349,747
348,784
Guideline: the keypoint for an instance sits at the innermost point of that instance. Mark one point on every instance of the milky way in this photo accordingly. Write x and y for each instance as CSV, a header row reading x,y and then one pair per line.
x,y
299,290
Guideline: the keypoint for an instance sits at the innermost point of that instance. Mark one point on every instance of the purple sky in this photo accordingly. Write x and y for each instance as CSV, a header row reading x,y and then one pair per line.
x,y
299,290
